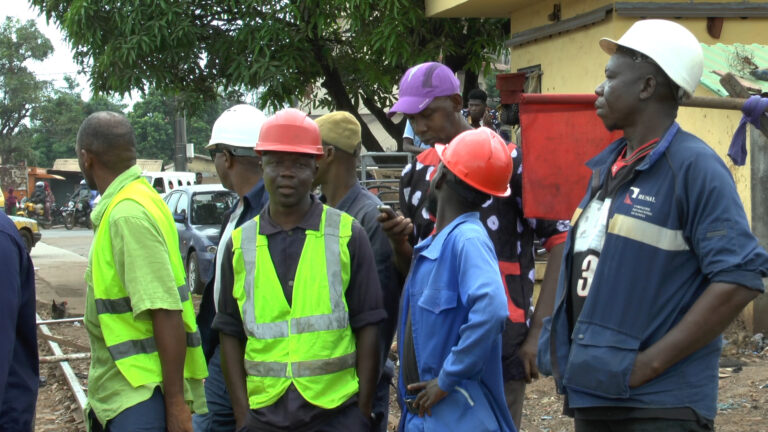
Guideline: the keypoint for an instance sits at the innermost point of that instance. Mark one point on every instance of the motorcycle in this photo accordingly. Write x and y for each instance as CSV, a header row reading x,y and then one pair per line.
x,y
35,211
77,212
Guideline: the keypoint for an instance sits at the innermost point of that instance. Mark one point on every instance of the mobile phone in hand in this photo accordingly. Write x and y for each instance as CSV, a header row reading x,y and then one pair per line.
x,y
388,210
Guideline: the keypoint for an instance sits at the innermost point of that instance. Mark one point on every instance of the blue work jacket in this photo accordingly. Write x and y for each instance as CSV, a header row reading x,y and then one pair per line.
x,y
675,228
458,310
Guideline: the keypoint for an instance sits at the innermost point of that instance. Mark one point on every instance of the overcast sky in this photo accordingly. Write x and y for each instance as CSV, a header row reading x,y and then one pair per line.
x,y
60,63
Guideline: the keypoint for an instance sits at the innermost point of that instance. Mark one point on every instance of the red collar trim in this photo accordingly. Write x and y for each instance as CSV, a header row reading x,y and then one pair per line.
x,y
639,153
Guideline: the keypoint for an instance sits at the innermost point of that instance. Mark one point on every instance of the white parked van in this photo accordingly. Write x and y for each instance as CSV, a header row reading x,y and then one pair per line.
x,y
166,181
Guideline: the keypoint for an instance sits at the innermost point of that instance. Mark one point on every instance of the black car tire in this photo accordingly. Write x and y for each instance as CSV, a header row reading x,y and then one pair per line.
x,y
69,220
28,241
194,281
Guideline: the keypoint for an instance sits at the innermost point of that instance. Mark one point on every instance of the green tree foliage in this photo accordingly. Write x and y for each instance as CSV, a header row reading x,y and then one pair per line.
x,y
352,50
20,90
55,121
153,122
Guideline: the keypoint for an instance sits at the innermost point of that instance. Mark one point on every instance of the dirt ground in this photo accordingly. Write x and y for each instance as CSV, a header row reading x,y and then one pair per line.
x,y
742,404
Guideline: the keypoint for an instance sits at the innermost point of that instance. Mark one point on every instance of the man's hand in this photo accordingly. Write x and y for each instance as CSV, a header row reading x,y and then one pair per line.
x,y
430,395
177,416
528,354
398,229
488,118
643,371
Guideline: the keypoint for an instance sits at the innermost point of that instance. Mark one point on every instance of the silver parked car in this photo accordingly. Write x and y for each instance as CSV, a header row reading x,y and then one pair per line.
x,y
199,211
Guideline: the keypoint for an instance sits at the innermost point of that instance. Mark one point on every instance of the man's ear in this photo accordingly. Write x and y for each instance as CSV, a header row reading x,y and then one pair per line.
x,y
328,152
87,158
457,101
648,87
229,159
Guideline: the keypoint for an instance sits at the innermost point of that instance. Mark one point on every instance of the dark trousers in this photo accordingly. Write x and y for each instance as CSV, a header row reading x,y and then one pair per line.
x,y
349,419
641,425
147,416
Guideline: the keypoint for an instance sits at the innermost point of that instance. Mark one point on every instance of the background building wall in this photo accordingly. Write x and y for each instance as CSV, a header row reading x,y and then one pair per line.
x,y
572,62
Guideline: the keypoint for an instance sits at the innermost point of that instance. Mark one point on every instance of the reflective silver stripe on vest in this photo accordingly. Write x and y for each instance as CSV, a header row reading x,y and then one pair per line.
x,y
249,236
303,369
266,369
323,367
146,346
113,306
336,320
316,323
183,293
333,268
123,305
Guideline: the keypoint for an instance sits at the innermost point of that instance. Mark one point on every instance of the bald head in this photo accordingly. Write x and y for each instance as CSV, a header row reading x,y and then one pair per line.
x,y
109,138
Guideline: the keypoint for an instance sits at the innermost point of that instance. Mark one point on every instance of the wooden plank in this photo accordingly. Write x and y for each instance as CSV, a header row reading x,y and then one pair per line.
x,y
735,89
69,374
63,341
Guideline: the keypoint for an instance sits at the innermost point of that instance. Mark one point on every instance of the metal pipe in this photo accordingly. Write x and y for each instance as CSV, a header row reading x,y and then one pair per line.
x,y
69,374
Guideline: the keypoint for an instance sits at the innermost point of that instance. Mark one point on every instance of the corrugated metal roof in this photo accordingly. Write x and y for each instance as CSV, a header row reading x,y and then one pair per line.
x,y
72,166
723,58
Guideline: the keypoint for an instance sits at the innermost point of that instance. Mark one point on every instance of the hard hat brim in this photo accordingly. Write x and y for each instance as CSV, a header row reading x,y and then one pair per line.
x,y
284,148
440,148
609,46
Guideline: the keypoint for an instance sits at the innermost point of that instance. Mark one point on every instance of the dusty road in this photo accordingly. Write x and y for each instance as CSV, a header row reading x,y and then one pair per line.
x,y
60,260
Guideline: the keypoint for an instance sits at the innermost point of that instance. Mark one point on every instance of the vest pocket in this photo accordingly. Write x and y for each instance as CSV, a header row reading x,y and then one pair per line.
x,y
600,361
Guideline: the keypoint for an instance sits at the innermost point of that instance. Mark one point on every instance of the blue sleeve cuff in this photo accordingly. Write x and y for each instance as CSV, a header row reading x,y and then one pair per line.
x,y
446,383
746,279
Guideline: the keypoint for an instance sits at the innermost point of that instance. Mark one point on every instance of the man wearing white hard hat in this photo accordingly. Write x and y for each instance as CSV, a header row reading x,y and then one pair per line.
x,y
660,258
233,138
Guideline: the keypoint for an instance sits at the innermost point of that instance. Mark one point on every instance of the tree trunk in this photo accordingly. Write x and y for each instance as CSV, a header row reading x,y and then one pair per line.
x,y
470,83
334,85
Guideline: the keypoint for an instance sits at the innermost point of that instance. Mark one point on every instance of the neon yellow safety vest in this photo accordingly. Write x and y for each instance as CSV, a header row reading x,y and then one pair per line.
x,y
309,343
130,342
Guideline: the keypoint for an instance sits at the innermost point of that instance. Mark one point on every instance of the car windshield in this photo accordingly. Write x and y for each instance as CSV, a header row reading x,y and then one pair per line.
x,y
208,208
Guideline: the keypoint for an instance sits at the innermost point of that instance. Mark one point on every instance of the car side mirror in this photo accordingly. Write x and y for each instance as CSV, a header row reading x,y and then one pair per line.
x,y
180,217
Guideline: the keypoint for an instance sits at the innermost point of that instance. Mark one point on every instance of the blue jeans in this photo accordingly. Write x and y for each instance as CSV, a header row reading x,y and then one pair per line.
x,y
147,416
220,416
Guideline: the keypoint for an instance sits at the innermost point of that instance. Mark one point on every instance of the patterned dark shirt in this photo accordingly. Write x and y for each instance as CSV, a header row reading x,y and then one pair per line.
x,y
496,124
512,235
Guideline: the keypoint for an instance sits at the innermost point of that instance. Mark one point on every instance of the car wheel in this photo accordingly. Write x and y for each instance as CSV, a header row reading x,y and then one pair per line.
x,y
194,281
27,237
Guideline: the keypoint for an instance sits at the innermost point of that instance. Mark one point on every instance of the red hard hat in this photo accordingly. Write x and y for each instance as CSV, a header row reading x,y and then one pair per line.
x,y
481,159
290,131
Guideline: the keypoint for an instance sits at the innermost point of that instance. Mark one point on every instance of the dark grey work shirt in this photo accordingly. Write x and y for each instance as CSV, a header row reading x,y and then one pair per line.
x,y
363,206
363,296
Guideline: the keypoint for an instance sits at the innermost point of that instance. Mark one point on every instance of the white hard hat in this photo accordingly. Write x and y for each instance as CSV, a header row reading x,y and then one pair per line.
x,y
238,126
673,47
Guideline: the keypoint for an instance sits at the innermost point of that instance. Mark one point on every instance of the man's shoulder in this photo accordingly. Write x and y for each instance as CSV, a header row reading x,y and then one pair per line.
x,y
688,150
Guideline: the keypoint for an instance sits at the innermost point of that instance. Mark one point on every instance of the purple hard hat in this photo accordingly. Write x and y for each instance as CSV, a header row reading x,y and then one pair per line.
x,y
421,84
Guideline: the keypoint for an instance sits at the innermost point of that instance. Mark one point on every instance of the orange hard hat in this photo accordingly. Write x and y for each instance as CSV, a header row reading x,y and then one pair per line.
x,y
290,131
481,159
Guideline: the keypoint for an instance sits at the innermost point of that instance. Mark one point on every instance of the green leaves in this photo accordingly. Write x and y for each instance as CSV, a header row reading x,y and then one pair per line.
x,y
20,90
352,50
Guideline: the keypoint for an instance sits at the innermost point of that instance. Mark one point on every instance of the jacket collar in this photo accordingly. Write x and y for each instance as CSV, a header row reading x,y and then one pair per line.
x,y
609,155
117,184
432,246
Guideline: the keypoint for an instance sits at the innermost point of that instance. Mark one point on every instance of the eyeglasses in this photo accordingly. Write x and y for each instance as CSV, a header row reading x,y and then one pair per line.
x,y
214,151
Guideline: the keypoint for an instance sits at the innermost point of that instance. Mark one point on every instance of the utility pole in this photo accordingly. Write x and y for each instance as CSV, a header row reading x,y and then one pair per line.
x,y
180,153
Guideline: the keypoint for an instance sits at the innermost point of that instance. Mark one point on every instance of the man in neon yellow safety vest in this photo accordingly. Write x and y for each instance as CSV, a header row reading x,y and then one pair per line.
x,y
300,299
147,365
